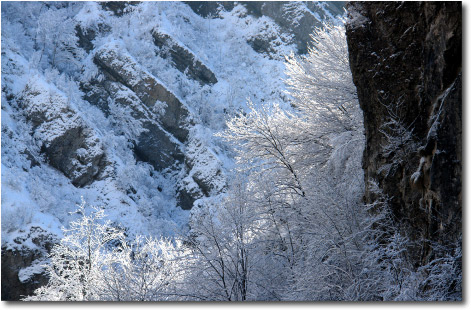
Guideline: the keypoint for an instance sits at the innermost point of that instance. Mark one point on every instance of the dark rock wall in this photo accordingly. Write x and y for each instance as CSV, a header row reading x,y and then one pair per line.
x,y
405,59
14,260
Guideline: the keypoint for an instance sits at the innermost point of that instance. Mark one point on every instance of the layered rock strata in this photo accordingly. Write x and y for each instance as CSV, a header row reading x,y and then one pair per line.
x,y
165,121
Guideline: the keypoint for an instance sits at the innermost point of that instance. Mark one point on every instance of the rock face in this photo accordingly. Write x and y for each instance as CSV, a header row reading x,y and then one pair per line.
x,y
405,59
68,143
117,7
204,175
184,60
21,267
209,8
120,67
163,120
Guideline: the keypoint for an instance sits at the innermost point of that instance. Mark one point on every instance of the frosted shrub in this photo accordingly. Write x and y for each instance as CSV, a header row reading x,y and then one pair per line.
x,y
15,214
124,120
78,260
93,261
145,270
230,261
442,278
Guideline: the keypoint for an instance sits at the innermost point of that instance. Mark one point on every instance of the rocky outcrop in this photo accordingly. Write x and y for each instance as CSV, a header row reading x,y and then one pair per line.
x,y
163,120
22,270
204,176
121,67
210,8
85,38
157,148
183,59
86,35
405,59
152,143
70,145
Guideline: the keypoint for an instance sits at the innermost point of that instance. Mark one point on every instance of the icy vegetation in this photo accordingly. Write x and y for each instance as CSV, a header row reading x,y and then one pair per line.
x,y
151,154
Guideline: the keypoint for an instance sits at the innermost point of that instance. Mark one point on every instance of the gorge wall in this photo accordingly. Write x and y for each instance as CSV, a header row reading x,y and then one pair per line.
x,y
405,59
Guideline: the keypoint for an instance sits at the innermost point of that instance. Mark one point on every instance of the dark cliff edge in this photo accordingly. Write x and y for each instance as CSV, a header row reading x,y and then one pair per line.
x,y
405,59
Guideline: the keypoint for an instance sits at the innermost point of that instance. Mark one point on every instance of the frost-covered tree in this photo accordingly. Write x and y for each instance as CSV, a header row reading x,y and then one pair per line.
x,y
77,261
264,141
305,170
322,85
230,256
221,251
331,130
148,269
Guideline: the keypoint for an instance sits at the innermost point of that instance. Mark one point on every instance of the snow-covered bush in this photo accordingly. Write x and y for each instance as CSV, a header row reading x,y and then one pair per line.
x,y
94,261
147,269
79,258
231,260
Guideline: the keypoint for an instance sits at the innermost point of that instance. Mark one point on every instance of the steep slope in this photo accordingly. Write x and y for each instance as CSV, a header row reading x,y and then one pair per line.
x,y
406,64
117,103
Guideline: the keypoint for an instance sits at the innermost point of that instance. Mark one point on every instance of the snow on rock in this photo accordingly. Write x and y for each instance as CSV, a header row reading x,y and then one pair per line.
x,y
121,67
205,168
23,260
203,174
152,125
140,124
28,273
69,144
162,118
184,60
